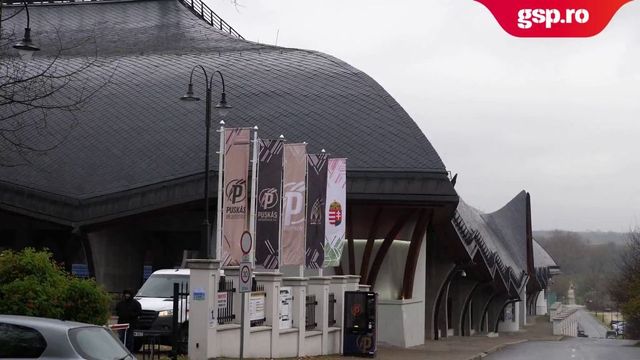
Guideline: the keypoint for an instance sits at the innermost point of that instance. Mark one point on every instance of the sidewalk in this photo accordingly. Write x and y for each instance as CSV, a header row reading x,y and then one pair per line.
x,y
465,348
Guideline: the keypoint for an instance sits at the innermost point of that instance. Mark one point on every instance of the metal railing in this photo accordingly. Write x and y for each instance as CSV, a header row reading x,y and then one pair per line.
x,y
225,313
201,9
310,317
332,309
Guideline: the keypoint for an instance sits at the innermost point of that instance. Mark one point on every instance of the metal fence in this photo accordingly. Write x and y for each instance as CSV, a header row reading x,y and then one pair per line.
x,y
225,293
332,309
310,317
203,11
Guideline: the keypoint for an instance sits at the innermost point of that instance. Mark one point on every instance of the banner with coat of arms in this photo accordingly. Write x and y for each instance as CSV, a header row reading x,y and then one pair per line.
x,y
234,206
335,211
316,194
268,203
293,206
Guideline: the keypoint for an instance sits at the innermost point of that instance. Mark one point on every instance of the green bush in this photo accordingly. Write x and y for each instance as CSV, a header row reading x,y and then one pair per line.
x,y
32,284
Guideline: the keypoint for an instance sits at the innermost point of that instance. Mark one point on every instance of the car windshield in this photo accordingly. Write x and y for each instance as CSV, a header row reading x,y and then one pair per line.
x,y
97,343
162,285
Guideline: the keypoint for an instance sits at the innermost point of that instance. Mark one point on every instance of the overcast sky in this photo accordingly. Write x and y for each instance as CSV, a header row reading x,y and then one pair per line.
x,y
559,118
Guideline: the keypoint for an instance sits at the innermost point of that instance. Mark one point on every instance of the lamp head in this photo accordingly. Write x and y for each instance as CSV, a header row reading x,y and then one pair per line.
x,y
222,107
189,95
25,47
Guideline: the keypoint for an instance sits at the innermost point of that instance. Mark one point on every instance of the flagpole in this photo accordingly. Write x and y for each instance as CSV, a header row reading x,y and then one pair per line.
x,y
254,186
281,137
321,269
220,196
306,189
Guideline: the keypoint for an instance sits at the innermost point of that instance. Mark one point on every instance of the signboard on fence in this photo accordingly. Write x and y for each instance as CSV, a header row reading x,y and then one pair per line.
x,y
222,300
256,306
285,311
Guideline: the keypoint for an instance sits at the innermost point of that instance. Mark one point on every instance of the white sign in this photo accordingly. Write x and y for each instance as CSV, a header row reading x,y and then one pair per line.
x,y
245,276
256,306
222,300
286,307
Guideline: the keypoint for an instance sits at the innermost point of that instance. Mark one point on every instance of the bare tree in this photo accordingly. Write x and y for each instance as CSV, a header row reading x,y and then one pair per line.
x,y
33,92
625,290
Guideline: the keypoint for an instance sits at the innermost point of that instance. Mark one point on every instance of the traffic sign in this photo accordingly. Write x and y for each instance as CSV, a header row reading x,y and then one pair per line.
x,y
246,243
245,276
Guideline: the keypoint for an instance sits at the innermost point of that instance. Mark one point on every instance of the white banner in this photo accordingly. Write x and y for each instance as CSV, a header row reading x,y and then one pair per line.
x,y
335,211
293,205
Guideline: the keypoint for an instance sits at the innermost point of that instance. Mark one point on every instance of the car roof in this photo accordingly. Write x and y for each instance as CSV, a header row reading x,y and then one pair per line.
x,y
172,272
41,323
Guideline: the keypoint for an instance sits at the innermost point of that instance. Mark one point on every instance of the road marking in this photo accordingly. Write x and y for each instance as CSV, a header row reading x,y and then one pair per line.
x,y
573,355
573,350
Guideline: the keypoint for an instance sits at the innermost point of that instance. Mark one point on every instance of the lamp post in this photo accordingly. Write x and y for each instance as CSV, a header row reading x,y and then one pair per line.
x,y
25,47
223,110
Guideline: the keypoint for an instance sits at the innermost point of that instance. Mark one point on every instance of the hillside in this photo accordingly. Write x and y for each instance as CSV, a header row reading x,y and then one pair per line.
x,y
593,237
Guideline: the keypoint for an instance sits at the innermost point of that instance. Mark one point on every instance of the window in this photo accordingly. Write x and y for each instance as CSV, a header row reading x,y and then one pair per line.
x,y
20,342
161,286
97,343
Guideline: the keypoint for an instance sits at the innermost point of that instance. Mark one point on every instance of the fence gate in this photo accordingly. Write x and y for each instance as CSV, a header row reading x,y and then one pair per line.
x,y
180,320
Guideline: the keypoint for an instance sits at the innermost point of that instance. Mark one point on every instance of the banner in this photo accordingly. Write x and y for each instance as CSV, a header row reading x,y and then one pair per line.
x,y
234,207
316,199
293,206
335,211
268,205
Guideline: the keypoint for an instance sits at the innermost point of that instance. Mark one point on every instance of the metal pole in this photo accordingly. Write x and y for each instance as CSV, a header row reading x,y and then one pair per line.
x,y
220,195
281,208
242,326
206,225
254,196
306,189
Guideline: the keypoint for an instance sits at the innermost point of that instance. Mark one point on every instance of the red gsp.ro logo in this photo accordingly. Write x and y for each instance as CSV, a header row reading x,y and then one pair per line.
x,y
527,18
553,18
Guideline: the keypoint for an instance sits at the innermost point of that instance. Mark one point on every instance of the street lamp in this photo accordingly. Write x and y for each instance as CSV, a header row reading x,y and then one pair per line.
x,y
223,110
25,47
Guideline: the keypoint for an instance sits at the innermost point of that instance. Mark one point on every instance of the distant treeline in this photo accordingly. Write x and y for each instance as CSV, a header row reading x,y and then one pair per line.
x,y
593,237
589,261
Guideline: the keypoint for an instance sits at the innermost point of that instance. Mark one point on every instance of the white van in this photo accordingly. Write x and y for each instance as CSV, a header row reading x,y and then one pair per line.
x,y
156,299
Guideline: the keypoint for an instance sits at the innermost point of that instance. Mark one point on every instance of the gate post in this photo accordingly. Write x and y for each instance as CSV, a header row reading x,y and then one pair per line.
x,y
203,308
271,282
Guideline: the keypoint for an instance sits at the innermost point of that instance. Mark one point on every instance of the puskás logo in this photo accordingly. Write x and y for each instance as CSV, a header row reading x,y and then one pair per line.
x,y
553,18
268,198
236,190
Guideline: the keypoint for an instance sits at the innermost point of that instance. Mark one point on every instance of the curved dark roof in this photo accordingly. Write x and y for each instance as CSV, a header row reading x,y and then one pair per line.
x,y
136,134
541,257
502,233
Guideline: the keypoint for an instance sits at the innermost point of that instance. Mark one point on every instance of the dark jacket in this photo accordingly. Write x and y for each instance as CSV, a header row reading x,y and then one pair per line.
x,y
128,311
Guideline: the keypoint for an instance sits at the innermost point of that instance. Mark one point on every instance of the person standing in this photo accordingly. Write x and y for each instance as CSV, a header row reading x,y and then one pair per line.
x,y
128,310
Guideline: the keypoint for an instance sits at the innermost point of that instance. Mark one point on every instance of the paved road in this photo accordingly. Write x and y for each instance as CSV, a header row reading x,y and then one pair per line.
x,y
591,325
570,349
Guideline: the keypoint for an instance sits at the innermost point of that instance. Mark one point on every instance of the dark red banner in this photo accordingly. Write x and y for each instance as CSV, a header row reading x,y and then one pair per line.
x,y
553,18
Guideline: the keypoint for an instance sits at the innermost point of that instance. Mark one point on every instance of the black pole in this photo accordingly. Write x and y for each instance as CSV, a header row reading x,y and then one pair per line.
x,y
206,225
175,330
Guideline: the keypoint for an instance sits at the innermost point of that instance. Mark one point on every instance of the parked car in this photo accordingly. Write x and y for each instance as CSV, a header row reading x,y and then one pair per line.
x,y
156,299
28,337
581,333
620,328
611,334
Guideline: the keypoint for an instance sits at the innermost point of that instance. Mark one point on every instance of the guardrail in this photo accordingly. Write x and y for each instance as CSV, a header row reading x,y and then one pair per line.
x,y
201,9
